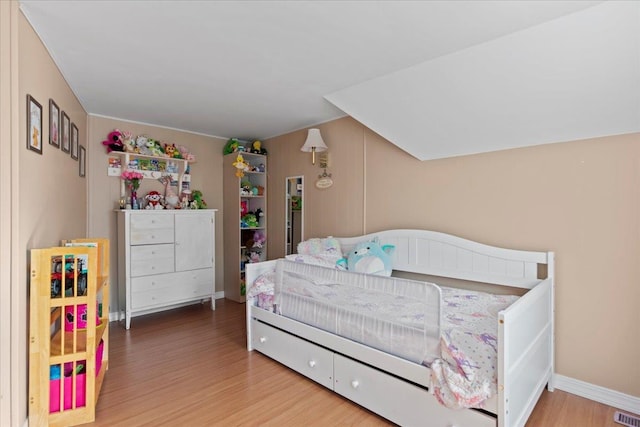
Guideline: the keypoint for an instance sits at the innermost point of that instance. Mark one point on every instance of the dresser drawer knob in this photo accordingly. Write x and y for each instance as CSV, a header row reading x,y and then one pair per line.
x,y
263,339
312,363
355,384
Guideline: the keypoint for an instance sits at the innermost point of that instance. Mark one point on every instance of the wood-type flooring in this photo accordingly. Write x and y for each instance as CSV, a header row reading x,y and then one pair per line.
x,y
189,367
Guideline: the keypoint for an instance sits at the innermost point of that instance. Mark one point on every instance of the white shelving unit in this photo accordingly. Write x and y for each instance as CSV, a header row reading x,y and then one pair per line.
x,y
180,176
236,236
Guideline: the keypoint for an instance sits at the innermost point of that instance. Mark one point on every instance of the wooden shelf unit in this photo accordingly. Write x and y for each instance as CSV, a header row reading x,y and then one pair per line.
x,y
75,350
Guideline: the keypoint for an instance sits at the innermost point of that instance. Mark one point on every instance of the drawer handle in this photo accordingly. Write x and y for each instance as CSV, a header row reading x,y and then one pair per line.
x,y
355,384
263,339
312,363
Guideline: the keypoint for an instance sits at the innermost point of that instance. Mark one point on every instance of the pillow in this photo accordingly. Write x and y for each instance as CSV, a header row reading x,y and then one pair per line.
x,y
369,258
327,249
320,260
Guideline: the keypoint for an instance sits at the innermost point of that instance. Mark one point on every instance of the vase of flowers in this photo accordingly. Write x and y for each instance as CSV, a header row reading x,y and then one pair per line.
x,y
132,181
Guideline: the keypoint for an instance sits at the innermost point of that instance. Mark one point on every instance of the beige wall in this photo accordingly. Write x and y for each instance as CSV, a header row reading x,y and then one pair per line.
x,y
104,191
51,202
580,199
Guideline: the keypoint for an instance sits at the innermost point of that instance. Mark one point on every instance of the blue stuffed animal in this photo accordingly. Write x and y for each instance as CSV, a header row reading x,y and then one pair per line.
x,y
369,258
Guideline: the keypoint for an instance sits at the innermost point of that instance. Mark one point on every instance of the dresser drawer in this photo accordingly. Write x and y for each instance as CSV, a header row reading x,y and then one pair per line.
x,y
171,288
146,229
151,259
309,359
195,283
151,298
151,283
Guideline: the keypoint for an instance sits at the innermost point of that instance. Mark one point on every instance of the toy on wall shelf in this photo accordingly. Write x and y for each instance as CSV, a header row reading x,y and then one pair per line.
x,y
250,220
114,141
240,165
185,154
244,208
231,146
256,148
245,188
259,239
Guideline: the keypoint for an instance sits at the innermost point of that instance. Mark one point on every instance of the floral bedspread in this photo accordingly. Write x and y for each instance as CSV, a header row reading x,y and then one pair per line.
x,y
465,374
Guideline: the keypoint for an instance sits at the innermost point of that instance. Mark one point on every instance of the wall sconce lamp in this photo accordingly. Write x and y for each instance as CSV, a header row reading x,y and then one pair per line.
x,y
314,143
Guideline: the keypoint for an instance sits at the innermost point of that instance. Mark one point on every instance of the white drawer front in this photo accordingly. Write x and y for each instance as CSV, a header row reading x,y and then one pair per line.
x,y
170,288
151,259
151,229
196,283
309,359
397,400
151,283
152,298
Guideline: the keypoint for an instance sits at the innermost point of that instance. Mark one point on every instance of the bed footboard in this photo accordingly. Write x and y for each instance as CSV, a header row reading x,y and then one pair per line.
x,y
525,337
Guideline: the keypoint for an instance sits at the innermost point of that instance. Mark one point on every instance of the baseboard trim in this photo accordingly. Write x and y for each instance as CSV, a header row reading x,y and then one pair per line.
x,y
115,317
604,395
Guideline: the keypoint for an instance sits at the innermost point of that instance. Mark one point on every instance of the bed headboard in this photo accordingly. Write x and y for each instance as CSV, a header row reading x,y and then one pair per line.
x,y
440,254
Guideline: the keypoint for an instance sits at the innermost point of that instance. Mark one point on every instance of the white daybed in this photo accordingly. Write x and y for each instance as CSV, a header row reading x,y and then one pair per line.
x,y
398,389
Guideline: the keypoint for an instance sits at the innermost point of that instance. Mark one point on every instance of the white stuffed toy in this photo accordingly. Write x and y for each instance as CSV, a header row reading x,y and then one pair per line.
x,y
154,200
369,258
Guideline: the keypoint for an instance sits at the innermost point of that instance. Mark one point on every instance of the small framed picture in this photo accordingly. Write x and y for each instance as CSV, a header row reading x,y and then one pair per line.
x,y
64,133
34,125
54,124
82,168
74,141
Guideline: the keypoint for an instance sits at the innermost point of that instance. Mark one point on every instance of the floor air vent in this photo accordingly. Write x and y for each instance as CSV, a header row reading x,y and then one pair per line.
x,y
626,419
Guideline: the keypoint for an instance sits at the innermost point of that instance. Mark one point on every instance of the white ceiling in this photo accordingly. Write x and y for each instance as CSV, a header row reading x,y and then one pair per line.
x,y
258,69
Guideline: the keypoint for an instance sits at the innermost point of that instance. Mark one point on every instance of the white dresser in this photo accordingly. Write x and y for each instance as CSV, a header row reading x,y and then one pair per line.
x,y
166,258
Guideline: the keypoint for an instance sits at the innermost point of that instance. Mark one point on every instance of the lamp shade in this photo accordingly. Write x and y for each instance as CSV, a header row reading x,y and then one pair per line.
x,y
314,142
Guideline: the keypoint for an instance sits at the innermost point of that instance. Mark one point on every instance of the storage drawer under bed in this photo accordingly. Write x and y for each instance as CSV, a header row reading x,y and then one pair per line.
x,y
302,356
389,396
397,400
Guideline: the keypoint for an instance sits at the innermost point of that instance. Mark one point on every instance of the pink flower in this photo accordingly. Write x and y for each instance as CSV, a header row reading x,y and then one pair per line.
x,y
132,178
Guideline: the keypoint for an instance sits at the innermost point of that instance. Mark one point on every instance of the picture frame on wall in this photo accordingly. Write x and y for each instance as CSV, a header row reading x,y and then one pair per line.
x,y
34,125
64,133
74,141
54,124
82,165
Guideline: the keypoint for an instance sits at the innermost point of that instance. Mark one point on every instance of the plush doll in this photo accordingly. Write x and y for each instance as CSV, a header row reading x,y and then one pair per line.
x,y
259,214
114,141
256,148
259,239
153,200
240,165
185,154
141,145
231,146
197,198
250,219
369,258
245,188
254,256
155,147
128,141
171,151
